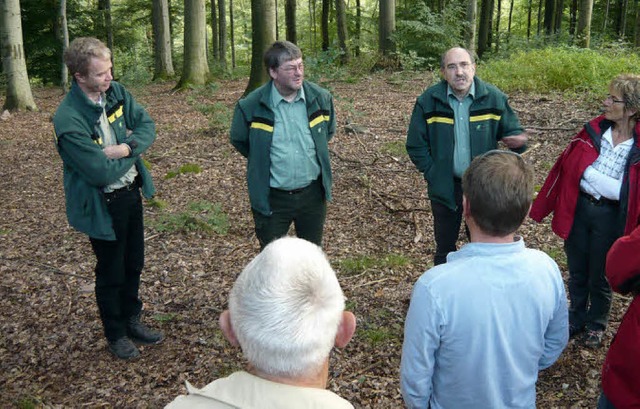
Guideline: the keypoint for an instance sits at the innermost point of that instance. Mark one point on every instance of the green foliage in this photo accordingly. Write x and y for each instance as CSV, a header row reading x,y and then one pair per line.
x,y
564,69
199,216
359,264
28,402
156,203
186,168
375,336
165,317
558,255
422,35
395,148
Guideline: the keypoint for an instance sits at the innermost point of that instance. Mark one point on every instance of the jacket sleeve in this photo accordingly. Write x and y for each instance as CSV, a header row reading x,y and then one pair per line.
x,y
79,152
417,144
545,202
332,120
556,336
510,125
239,133
142,127
623,259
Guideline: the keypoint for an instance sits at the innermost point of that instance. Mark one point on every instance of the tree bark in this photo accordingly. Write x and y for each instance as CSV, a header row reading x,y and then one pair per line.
x,y
64,36
498,14
104,6
557,19
359,25
469,34
195,69
343,36
324,24
290,20
549,13
485,26
583,32
215,45
233,41
19,95
636,35
163,63
222,33
263,23
386,27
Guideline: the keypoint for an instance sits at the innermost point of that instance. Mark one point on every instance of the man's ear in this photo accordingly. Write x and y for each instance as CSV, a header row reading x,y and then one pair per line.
x,y
346,329
466,209
227,329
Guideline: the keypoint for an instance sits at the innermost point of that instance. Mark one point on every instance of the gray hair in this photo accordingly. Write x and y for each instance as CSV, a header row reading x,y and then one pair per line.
x,y
629,86
286,307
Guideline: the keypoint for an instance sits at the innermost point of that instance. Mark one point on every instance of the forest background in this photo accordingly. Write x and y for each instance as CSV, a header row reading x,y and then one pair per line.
x,y
188,63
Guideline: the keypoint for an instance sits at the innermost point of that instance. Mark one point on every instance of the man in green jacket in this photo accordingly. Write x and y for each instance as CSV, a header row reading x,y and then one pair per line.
x,y
454,121
283,129
100,133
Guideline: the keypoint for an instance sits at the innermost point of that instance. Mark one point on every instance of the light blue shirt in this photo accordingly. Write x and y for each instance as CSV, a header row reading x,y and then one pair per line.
x,y
293,153
462,146
481,326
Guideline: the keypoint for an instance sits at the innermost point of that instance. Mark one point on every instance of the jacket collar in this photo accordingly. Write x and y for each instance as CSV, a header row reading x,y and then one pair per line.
x,y
440,91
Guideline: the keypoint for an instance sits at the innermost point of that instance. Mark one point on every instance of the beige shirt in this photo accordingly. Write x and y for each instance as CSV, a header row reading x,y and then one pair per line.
x,y
241,390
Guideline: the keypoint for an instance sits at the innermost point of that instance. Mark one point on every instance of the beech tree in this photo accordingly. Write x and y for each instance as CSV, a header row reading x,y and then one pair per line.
x,y
195,69
163,63
263,25
19,96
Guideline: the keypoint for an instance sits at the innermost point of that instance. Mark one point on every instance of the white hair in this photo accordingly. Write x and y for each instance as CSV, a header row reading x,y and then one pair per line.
x,y
285,308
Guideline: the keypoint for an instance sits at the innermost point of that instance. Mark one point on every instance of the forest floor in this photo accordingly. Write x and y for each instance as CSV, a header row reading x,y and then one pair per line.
x,y
378,236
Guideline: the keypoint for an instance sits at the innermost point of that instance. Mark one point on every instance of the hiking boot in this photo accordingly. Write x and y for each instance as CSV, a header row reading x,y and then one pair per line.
x,y
575,330
123,348
140,333
593,338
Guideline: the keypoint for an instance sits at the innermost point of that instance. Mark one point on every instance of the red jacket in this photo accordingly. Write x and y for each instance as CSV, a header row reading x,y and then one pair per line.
x,y
560,191
621,369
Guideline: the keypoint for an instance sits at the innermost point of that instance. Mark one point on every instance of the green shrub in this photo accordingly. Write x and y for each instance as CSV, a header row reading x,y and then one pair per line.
x,y
199,216
359,264
186,168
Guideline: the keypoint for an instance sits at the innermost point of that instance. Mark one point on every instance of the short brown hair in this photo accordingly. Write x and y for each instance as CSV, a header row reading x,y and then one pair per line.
x,y
628,85
280,52
78,56
498,187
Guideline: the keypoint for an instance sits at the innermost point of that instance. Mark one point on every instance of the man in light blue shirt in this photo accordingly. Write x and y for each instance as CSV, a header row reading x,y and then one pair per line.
x,y
481,326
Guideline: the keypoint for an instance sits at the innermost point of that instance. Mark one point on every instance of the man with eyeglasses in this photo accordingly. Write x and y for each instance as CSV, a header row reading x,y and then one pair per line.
x,y
454,121
283,129
481,326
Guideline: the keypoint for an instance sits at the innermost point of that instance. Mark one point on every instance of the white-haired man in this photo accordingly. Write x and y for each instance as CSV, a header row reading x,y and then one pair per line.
x,y
286,312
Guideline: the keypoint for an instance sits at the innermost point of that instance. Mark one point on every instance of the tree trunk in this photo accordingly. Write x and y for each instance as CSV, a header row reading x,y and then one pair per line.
x,y
64,35
215,45
19,95
557,19
485,26
263,23
573,18
163,63
583,32
510,19
636,34
498,13
386,27
529,11
359,25
222,21
313,25
324,24
195,70
233,41
549,13
290,20
469,34
539,16
622,18
606,16
343,36
104,6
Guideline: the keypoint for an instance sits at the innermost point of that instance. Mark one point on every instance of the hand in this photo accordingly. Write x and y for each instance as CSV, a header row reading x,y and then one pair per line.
x,y
116,151
515,141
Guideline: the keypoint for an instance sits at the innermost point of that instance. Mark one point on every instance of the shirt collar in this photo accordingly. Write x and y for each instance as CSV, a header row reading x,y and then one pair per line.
x,y
471,93
276,98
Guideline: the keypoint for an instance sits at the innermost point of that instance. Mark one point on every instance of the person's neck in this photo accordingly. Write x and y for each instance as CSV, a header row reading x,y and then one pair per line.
x,y
287,95
317,379
622,131
94,96
461,95
479,236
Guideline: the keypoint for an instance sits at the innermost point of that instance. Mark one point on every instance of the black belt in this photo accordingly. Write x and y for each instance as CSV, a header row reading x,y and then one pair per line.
x,y
296,191
128,188
599,202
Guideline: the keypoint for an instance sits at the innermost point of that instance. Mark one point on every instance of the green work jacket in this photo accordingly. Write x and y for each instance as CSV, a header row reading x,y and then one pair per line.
x,y
252,132
86,169
430,138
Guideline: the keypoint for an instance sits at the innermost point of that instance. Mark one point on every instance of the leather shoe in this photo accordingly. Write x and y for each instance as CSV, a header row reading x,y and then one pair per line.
x,y
123,348
140,333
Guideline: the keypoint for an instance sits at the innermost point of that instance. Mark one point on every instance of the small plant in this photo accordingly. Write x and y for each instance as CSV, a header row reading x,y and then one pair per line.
x,y
376,335
186,168
352,266
199,216
395,148
27,402
558,255
156,203
165,317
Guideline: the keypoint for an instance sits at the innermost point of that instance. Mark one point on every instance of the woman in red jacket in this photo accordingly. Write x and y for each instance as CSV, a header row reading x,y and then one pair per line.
x,y
621,369
593,192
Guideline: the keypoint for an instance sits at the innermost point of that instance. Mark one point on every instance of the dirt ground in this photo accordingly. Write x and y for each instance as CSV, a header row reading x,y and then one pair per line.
x,y
52,352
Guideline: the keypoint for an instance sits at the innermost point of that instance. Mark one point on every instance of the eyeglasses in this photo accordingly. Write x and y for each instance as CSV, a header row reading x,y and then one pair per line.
x,y
613,100
292,68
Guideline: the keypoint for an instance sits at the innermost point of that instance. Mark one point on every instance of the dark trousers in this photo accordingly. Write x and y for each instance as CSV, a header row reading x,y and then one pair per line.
x,y
604,402
119,264
594,230
446,225
306,208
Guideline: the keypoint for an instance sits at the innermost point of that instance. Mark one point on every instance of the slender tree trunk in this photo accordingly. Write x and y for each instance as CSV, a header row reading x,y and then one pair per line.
x,y
222,21
583,33
510,19
195,69
313,23
606,15
469,34
215,45
277,22
557,20
163,63
573,18
64,36
529,11
359,25
290,20
636,34
498,14
624,4
233,41
19,95
386,27
263,23
324,24
485,26
549,13
343,36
